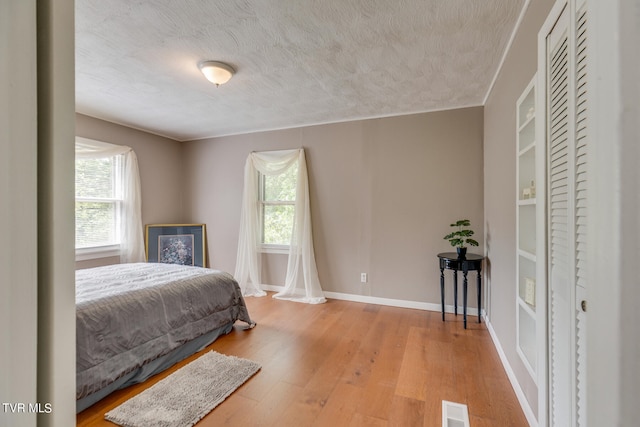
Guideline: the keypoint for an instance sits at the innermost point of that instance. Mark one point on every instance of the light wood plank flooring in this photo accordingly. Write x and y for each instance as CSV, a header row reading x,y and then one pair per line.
x,y
351,364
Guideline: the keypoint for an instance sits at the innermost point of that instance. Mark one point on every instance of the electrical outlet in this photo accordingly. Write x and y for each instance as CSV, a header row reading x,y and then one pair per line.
x,y
363,277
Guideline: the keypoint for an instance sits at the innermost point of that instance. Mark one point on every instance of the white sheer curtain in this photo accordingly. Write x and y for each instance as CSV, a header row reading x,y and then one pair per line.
x,y
131,233
301,267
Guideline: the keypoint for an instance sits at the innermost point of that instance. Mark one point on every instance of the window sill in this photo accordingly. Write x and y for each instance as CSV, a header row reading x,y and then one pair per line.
x,y
274,249
84,254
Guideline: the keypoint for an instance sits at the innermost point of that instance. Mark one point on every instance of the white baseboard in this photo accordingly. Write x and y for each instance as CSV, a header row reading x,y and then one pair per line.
x,y
524,404
427,306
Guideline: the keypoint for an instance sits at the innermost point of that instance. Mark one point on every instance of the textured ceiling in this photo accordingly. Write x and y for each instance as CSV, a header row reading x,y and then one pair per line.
x,y
298,62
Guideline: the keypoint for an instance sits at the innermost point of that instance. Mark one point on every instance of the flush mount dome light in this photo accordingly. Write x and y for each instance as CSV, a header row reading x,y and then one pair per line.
x,y
216,72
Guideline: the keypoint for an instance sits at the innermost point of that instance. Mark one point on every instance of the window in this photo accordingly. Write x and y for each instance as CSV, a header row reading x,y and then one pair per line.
x,y
277,199
281,223
98,202
108,202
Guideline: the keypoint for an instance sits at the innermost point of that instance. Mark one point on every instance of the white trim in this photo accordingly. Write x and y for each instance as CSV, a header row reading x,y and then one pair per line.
x,y
629,182
83,254
98,199
543,294
273,249
612,337
506,50
416,305
524,404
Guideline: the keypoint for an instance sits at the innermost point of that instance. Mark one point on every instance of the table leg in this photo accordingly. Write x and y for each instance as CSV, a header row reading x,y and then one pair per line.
x,y
479,295
464,297
442,290
455,292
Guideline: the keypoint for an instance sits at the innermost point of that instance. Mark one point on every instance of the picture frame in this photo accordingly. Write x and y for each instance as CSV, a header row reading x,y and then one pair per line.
x,y
183,244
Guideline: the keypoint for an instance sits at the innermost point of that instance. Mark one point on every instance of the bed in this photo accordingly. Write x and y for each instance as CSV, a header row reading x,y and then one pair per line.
x,y
134,320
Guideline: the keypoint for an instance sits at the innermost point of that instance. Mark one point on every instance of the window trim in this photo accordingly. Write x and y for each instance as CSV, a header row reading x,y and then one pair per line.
x,y
95,252
271,248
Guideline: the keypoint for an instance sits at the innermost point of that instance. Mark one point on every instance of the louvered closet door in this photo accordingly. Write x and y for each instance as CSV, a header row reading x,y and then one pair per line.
x,y
558,216
580,212
567,192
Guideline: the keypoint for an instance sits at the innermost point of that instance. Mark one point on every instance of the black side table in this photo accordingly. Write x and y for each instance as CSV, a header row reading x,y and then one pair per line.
x,y
450,261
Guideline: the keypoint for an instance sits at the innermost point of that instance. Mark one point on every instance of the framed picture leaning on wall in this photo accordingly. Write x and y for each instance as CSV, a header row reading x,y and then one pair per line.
x,y
183,244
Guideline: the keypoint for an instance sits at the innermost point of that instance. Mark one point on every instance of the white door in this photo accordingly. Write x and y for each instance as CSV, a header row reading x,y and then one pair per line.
x,y
567,176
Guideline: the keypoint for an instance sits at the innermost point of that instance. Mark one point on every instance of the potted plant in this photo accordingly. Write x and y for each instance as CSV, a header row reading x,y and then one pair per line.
x,y
461,237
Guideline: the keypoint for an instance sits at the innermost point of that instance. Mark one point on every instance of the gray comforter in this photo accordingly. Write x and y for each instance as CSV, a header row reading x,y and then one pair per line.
x,y
129,314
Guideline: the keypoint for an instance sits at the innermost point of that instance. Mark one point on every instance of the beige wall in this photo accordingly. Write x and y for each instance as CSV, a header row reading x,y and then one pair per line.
x,y
37,303
500,190
160,163
18,208
383,193
56,288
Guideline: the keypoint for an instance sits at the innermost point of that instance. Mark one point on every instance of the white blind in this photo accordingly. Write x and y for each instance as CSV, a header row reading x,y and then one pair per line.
x,y
97,202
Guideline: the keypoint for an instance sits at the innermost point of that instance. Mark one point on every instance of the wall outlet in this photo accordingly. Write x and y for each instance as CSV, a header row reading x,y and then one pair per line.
x,y
363,277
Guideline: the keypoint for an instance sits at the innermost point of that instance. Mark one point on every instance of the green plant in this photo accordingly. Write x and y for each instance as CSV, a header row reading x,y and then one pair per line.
x,y
461,236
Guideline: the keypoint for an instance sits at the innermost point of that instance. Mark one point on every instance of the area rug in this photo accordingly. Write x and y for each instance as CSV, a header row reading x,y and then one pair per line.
x,y
187,395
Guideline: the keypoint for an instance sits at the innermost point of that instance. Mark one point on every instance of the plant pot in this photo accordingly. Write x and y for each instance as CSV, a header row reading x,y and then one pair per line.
x,y
462,252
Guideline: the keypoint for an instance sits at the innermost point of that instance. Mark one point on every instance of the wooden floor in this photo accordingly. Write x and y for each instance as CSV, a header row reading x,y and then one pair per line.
x,y
351,364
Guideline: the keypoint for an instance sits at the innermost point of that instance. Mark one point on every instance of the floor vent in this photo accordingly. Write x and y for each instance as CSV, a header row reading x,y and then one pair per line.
x,y
454,414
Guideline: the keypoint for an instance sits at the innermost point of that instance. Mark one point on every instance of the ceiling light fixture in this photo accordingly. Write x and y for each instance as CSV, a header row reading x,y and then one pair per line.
x,y
216,72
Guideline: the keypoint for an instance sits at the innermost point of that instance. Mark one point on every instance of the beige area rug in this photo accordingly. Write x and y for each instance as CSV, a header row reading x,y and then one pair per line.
x,y
187,395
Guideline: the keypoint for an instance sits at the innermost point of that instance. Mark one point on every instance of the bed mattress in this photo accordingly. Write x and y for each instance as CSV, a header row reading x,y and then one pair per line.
x,y
128,315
